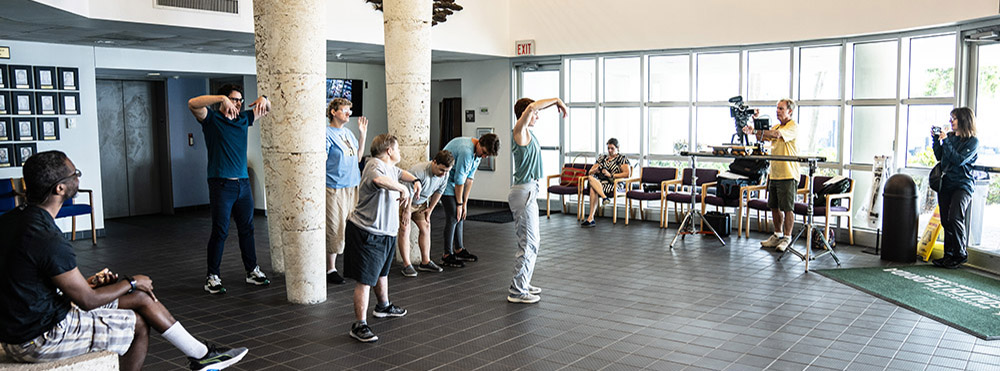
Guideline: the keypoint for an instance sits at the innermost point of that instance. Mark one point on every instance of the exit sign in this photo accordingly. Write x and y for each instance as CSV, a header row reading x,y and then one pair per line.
x,y
525,47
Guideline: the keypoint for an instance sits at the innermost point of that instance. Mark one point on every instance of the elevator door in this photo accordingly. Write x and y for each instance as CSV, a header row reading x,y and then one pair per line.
x,y
130,172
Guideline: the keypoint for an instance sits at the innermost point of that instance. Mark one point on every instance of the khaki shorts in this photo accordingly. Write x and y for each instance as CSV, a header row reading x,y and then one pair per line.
x,y
81,332
339,204
781,194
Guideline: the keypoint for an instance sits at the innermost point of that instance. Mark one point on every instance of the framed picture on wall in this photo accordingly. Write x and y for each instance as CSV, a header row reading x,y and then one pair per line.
x,y
7,155
4,78
4,103
45,78
67,78
6,134
47,103
23,102
24,129
24,150
21,76
48,128
488,163
70,103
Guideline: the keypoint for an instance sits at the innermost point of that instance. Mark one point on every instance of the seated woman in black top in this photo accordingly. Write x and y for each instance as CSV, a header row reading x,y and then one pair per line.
x,y
957,151
602,177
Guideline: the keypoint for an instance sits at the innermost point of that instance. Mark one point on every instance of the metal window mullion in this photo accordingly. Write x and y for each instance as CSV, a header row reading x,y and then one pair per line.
x,y
642,111
598,99
667,104
926,101
872,102
842,92
820,102
895,150
692,69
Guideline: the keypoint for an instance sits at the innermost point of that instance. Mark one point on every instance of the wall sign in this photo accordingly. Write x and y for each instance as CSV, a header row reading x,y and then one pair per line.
x,y
525,47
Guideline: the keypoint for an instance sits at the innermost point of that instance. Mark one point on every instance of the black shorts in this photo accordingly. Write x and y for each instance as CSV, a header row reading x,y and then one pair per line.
x,y
367,256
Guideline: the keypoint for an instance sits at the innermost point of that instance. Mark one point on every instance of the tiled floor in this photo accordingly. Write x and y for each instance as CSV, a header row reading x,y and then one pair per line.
x,y
616,298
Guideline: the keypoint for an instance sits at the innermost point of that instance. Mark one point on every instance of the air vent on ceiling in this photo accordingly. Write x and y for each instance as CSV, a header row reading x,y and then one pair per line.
x,y
222,6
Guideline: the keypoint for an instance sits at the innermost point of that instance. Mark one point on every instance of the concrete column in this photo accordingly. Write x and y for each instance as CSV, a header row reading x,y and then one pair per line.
x,y
291,71
408,75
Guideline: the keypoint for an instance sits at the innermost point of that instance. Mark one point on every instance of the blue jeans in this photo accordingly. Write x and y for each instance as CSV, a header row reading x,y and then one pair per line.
x,y
230,198
525,209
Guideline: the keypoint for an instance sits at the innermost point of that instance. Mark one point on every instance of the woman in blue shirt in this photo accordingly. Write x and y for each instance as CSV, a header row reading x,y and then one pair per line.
x,y
957,151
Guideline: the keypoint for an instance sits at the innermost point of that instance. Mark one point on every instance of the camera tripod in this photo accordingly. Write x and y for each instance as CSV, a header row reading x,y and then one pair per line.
x,y
687,224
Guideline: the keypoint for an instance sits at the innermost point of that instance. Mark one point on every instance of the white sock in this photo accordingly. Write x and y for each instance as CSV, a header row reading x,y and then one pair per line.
x,y
779,234
183,340
331,271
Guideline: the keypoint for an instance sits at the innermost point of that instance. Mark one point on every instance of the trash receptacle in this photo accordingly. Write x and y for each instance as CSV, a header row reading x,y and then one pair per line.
x,y
974,221
899,219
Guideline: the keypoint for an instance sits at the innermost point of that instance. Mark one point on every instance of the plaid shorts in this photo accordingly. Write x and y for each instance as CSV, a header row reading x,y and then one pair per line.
x,y
81,332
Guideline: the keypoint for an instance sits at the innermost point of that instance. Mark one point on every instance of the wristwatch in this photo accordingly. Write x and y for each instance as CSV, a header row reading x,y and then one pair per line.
x,y
131,282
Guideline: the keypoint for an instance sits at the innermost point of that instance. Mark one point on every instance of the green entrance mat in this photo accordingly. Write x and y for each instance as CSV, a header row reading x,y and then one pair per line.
x,y
956,297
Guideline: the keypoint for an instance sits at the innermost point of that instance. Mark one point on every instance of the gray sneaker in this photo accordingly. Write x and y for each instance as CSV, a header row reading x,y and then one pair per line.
x,y
523,298
409,271
770,241
430,267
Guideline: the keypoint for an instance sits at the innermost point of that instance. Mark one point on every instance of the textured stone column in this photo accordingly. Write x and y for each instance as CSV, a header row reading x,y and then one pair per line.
x,y
408,83
408,75
291,71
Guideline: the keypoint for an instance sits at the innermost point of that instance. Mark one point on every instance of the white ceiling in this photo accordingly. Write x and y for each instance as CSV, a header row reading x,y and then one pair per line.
x,y
27,20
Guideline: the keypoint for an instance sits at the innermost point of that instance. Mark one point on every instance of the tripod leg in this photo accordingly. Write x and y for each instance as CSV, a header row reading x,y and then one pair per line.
x,y
711,228
680,229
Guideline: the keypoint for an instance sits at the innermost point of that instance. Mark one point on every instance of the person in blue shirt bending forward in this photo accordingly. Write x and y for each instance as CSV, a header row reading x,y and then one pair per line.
x,y
229,194
527,171
468,152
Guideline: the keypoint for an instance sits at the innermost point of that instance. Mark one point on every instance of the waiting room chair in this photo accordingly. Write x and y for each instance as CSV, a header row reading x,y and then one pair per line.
x,y
653,183
566,187
760,204
72,210
8,195
827,210
721,203
682,196
622,191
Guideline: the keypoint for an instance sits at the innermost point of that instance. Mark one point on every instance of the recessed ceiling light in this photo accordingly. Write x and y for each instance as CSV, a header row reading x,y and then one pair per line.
x,y
104,42
153,74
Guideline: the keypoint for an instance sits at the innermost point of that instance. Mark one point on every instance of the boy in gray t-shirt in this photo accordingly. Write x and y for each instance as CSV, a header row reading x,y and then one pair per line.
x,y
370,236
433,179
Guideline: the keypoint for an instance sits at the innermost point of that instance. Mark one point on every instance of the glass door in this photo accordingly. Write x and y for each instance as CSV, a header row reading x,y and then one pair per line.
x,y
539,82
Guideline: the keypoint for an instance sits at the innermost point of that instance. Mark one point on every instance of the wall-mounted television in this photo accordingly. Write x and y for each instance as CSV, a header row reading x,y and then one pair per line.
x,y
352,90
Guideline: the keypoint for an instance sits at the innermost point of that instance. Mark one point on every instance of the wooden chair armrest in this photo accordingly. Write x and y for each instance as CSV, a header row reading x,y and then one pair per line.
x,y
704,187
846,196
548,179
90,195
753,188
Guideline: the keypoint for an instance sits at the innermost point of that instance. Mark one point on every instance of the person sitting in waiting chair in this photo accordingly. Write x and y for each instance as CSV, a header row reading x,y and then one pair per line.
x,y
602,177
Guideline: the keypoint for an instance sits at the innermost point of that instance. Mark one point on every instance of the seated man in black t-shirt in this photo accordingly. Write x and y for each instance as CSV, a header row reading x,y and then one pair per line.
x,y
50,311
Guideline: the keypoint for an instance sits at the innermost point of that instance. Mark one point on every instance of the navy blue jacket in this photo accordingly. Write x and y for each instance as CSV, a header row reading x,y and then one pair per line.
x,y
957,156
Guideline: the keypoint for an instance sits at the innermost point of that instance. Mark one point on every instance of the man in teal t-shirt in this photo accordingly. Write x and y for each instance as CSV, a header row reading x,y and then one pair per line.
x,y
229,193
527,171
468,152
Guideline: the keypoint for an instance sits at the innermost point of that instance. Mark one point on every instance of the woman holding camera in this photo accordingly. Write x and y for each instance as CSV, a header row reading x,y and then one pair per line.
x,y
602,177
957,151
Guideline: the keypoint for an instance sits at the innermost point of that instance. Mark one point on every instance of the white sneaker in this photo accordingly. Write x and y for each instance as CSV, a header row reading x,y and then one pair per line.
x,y
258,278
213,284
770,241
783,244
523,298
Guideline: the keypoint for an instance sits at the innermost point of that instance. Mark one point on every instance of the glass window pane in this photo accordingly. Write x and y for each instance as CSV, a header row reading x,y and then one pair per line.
x,y
714,127
668,130
819,73
622,123
872,133
538,85
862,187
621,79
988,106
818,131
550,166
918,132
932,66
582,78
769,74
875,70
582,122
718,76
669,78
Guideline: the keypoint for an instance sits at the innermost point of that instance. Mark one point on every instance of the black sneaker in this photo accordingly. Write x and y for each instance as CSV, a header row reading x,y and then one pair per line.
x,y
361,332
213,284
464,255
451,261
217,358
257,278
390,310
955,263
334,278
429,267
590,224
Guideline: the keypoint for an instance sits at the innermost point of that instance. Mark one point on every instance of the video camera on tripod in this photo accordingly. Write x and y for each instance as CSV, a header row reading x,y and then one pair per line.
x,y
741,113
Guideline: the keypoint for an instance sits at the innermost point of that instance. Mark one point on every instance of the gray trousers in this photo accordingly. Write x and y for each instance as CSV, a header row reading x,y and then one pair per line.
x,y
525,210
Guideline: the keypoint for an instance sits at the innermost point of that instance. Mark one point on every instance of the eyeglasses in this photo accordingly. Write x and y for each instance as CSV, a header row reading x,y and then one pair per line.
x,y
236,100
76,174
